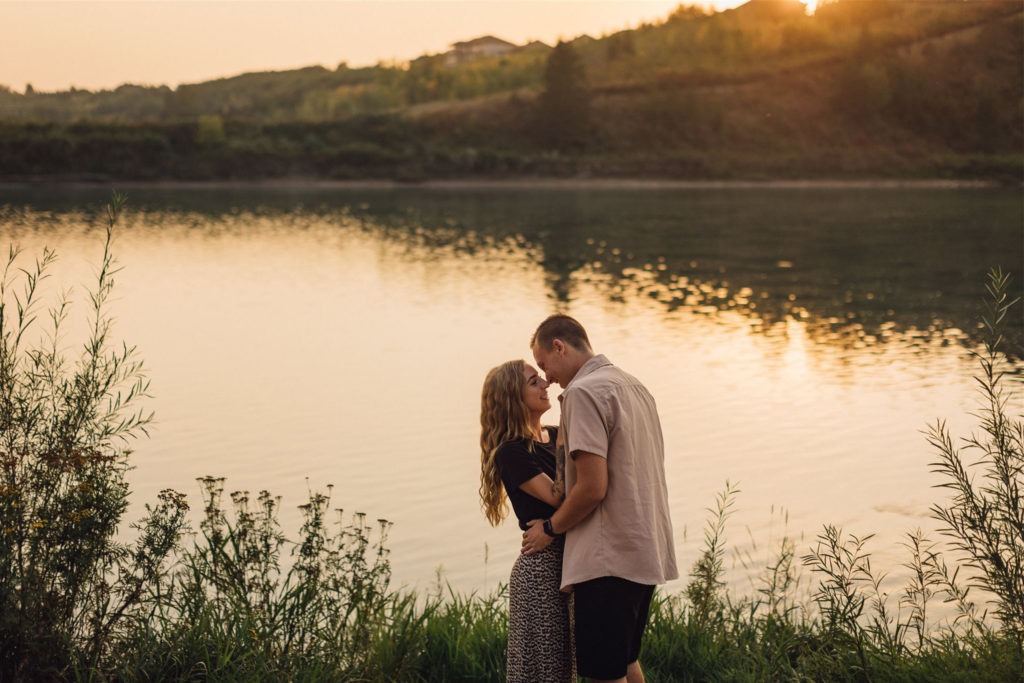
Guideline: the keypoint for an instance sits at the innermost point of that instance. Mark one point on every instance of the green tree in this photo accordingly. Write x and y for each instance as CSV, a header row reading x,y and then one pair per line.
x,y
565,108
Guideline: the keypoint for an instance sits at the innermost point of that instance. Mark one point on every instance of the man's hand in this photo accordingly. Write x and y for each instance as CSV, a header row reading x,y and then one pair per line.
x,y
534,538
591,488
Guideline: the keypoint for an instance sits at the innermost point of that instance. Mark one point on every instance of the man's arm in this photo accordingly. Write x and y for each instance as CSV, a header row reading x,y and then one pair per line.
x,y
588,492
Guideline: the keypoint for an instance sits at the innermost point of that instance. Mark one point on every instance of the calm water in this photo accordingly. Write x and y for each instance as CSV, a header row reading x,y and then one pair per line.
x,y
797,342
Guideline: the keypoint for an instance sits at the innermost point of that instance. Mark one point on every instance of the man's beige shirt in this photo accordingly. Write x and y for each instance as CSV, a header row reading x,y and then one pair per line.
x,y
629,535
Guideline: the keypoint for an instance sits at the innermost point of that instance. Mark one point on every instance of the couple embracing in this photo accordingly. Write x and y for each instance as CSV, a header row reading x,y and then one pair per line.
x,y
591,499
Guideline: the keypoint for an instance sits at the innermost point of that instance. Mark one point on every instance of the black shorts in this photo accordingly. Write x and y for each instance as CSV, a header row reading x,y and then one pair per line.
x,y
611,614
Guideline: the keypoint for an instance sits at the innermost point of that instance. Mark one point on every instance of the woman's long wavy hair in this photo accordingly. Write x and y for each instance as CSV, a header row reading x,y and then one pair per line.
x,y
503,417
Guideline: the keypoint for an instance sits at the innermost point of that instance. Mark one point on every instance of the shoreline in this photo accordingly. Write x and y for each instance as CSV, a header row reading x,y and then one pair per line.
x,y
531,183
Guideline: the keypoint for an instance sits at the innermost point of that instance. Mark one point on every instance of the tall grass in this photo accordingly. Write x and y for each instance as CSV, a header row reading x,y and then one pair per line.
x,y
985,519
236,608
236,600
233,609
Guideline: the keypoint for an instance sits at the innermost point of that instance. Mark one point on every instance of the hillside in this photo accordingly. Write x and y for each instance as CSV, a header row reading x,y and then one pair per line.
x,y
862,88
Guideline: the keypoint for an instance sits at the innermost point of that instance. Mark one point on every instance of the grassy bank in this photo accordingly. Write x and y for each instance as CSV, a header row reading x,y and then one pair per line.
x,y
234,613
231,610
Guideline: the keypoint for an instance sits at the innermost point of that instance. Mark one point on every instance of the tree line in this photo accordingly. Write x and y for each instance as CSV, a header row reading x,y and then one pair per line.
x,y
862,87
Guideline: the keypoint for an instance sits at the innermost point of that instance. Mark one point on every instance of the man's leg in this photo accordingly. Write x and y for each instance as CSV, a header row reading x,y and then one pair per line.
x,y
602,629
634,674
611,615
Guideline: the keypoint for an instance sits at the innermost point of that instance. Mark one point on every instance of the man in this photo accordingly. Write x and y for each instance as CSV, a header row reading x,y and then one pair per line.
x,y
615,516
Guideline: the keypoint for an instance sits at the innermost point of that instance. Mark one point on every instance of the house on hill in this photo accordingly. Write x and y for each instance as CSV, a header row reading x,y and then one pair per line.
x,y
536,45
486,46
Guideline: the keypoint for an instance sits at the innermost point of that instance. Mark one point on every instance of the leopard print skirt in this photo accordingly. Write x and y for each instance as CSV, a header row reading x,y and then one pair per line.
x,y
540,646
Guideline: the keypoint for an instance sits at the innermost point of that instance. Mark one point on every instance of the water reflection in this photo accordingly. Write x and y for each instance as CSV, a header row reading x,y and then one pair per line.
x,y
796,341
860,267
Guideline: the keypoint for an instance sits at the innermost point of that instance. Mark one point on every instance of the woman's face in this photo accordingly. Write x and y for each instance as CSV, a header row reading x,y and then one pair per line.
x,y
535,393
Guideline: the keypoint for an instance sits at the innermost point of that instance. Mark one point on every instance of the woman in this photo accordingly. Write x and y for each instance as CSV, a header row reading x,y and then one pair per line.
x,y
517,459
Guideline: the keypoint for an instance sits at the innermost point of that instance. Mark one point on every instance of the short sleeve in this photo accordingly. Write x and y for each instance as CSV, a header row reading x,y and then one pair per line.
x,y
584,425
516,465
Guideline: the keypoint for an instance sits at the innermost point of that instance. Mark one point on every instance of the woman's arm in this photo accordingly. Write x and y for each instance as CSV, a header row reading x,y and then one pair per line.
x,y
542,488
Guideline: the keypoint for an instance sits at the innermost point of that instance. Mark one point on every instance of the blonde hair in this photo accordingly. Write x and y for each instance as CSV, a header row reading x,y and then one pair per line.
x,y
503,417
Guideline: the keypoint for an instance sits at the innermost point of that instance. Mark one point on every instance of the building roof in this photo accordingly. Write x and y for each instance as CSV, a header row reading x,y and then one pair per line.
x,y
483,40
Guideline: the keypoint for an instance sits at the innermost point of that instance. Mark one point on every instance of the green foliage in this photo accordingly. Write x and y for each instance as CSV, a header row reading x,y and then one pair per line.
x,y
210,130
757,38
233,607
68,584
849,634
985,518
620,46
464,637
227,614
858,89
857,12
865,90
267,97
431,79
705,589
563,118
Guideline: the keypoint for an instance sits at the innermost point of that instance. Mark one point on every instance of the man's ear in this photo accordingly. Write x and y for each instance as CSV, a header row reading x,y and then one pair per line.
x,y
558,346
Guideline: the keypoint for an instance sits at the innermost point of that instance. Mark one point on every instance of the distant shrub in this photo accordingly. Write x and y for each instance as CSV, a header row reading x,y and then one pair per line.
x,y
210,130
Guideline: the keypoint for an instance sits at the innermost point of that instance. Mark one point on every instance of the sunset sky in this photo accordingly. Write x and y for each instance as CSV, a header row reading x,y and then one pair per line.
x,y
97,45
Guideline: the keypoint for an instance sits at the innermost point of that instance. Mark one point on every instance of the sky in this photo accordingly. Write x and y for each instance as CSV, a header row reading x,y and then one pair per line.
x,y
100,45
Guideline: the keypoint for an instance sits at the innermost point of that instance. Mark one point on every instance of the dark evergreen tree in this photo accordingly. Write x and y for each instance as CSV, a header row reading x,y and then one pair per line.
x,y
564,118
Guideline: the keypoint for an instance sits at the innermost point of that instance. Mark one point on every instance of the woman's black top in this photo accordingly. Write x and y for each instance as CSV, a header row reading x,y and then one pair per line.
x,y
517,465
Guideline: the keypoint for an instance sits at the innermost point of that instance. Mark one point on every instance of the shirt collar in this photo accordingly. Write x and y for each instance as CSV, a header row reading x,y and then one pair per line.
x,y
595,362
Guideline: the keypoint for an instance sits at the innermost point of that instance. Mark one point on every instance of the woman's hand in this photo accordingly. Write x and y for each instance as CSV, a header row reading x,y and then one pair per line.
x,y
534,538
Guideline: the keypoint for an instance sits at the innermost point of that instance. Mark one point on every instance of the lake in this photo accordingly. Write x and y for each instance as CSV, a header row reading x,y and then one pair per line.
x,y
797,340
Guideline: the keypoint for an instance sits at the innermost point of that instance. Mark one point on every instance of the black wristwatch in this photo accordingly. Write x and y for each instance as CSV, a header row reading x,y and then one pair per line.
x,y
548,530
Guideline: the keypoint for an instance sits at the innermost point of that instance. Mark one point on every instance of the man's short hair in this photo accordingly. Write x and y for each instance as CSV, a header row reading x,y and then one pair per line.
x,y
562,327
